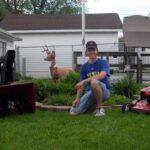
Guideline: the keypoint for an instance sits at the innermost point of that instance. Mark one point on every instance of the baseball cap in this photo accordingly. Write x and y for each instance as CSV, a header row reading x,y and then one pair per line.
x,y
91,45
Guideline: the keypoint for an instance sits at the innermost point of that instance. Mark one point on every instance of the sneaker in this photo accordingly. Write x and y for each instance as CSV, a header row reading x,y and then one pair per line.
x,y
72,112
99,112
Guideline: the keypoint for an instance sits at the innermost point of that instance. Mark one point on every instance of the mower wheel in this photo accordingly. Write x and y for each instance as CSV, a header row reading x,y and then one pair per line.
x,y
126,107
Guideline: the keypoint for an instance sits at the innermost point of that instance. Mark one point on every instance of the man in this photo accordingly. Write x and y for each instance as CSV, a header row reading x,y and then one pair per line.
x,y
95,74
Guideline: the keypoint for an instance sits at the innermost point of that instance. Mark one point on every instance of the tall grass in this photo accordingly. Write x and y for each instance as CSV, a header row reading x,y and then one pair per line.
x,y
60,99
127,87
47,89
63,91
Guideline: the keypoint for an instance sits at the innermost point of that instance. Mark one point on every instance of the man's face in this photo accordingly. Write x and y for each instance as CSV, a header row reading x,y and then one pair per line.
x,y
92,54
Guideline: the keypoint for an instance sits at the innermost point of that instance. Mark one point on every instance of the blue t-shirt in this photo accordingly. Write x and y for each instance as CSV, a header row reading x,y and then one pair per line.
x,y
89,70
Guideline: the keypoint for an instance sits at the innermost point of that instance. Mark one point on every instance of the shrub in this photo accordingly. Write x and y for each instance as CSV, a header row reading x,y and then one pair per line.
x,y
53,87
126,87
42,89
66,85
116,100
59,99
67,88
71,78
63,91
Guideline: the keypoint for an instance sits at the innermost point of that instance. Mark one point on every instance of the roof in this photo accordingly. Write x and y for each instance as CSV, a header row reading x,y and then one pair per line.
x,y
136,31
8,36
60,22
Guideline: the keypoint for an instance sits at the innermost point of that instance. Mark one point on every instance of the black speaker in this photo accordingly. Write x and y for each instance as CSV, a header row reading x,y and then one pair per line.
x,y
7,67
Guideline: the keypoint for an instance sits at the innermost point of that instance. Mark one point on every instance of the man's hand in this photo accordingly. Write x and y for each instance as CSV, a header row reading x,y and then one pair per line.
x,y
80,85
75,103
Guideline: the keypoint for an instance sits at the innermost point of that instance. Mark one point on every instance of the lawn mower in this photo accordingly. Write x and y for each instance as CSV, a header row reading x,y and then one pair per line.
x,y
142,105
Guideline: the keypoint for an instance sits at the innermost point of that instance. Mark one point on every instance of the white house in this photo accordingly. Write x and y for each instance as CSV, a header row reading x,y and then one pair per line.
x,y
7,41
62,32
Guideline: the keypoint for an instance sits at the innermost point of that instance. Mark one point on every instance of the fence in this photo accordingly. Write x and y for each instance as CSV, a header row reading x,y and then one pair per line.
x,y
30,60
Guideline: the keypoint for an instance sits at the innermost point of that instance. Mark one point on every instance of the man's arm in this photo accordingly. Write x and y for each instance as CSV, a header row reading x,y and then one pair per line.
x,y
78,96
99,76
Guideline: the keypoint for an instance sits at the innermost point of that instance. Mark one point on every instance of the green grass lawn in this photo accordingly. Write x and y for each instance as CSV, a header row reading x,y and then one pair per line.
x,y
60,131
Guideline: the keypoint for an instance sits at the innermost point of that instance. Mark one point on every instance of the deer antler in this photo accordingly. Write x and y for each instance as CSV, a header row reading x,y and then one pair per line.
x,y
50,54
45,49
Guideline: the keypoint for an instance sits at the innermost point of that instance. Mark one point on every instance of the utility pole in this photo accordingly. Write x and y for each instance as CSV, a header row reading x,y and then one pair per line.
x,y
83,30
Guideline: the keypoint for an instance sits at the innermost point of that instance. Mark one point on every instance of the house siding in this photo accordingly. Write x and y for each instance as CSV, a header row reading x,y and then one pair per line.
x,y
65,43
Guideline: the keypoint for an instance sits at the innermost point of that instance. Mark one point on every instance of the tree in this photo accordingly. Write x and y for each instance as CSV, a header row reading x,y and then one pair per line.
x,y
42,6
65,6
3,11
14,6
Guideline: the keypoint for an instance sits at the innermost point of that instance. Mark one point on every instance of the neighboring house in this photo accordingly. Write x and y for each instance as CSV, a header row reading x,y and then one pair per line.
x,y
136,31
7,41
56,30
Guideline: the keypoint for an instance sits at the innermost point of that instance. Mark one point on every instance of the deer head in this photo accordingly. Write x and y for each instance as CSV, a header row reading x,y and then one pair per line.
x,y
50,54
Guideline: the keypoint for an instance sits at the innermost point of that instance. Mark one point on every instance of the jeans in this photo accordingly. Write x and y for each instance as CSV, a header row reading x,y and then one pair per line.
x,y
88,99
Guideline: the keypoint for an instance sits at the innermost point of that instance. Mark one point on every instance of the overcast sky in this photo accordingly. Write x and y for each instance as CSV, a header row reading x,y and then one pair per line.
x,y
122,7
